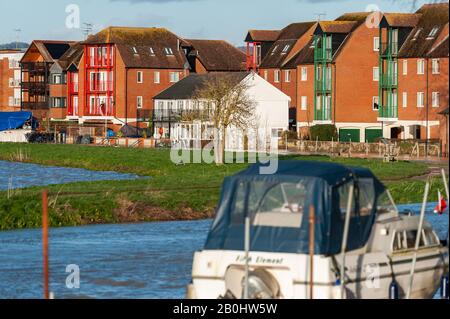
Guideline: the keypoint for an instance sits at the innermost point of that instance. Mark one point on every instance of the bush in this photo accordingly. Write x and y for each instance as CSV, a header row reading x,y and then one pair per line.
x,y
324,132
291,135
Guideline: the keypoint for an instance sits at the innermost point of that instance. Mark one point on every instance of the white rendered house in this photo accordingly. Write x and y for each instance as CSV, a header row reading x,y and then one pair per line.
x,y
271,116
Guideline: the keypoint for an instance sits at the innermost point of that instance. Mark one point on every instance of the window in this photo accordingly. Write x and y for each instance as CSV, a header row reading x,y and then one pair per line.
x,y
420,99
57,79
274,49
58,102
420,66
376,74
266,75
435,66
435,99
157,77
432,33
140,77
406,239
304,103
168,51
139,102
405,67
304,73
285,49
277,76
376,44
152,52
375,103
405,99
174,77
287,76
135,50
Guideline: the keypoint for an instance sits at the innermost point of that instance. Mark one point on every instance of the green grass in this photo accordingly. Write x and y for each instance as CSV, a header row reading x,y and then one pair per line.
x,y
172,193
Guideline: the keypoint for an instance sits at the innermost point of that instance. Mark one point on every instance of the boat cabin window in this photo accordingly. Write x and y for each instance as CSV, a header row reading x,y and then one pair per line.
x,y
385,205
343,192
366,195
406,239
279,205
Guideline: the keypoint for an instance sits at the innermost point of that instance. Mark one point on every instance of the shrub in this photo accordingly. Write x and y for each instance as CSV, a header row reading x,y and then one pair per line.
x,y
291,135
324,132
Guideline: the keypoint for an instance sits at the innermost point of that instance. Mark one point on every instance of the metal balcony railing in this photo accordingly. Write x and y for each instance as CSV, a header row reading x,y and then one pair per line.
x,y
323,54
389,49
388,112
323,86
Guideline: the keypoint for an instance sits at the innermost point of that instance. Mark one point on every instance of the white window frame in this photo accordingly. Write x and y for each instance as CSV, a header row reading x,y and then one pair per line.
x,y
139,102
405,67
304,103
435,66
157,77
376,44
276,76
405,99
435,96
140,77
375,100
420,99
376,74
420,66
304,74
174,77
287,76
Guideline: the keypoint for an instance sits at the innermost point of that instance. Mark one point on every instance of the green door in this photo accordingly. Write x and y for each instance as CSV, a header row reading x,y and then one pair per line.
x,y
373,134
347,135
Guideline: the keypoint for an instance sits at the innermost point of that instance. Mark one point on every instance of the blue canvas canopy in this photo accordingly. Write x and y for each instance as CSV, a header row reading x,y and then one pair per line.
x,y
279,205
14,120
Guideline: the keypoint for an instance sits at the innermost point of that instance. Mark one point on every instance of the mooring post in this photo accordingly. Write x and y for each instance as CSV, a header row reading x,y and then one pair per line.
x,y
45,242
311,250
247,255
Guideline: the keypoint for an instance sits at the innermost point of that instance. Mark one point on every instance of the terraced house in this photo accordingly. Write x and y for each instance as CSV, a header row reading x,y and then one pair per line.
x,y
387,79
113,76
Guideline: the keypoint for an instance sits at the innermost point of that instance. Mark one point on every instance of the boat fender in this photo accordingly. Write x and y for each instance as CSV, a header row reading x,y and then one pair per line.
x,y
336,292
444,287
393,290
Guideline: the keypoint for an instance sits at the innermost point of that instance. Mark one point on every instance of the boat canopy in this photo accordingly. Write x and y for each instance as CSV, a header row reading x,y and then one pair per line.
x,y
279,208
16,120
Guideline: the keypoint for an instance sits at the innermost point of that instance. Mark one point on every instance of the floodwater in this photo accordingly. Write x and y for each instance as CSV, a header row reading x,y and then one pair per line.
x,y
20,175
150,260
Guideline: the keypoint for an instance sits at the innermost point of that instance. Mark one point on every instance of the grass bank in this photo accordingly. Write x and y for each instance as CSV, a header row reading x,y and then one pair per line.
x,y
184,192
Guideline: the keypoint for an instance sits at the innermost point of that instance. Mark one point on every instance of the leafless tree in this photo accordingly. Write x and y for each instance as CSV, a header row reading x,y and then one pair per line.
x,y
228,104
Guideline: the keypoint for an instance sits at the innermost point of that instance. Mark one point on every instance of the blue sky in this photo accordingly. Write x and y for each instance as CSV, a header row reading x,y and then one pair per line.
x,y
205,19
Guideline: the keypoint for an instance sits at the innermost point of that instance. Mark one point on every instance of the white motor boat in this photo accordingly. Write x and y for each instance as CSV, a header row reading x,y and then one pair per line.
x,y
315,230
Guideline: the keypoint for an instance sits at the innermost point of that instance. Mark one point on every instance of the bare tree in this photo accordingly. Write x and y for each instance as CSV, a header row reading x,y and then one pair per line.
x,y
228,104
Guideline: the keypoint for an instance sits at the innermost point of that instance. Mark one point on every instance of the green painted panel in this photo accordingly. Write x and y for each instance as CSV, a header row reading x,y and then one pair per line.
x,y
347,135
373,134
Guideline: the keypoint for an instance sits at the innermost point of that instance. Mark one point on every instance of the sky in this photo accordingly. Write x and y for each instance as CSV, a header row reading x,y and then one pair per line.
x,y
203,19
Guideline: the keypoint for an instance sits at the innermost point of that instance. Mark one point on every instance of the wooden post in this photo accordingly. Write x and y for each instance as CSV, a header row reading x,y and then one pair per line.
x,y
45,242
311,250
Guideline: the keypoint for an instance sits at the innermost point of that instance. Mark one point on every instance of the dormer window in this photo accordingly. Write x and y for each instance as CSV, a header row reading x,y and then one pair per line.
x,y
135,50
416,35
433,33
152,52
285,49
168,51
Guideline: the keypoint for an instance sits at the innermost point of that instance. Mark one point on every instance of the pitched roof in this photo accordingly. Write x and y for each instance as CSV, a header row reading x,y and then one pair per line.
x,y
187,87
304,56
143,47
49,49
288,37
71,56
441,50
262,35
401,20
218,55
420,41
359,17
337,26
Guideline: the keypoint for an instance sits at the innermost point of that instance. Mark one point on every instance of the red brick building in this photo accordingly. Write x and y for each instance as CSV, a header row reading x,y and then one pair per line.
x,y
10,96
113,76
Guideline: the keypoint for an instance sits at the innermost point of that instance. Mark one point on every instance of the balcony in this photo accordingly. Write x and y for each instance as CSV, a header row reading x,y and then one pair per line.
x,y
35,105
35,87
390,81
387,113
103,86
323,55
180,115
389,49
323,86
322,116
34,67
